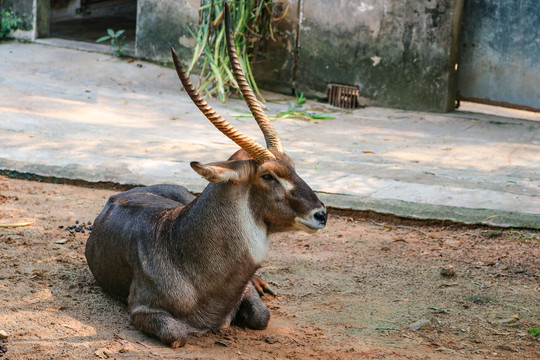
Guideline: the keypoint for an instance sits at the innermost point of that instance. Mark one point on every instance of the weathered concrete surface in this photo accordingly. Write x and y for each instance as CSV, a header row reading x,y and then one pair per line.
x,y
90,116
165,23
276,69
500,52
397,52
26,11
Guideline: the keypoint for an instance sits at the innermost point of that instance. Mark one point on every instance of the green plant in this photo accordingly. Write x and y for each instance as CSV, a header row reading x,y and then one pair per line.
x,y
293,113
9,22
535,332
522,236
118,45
251,22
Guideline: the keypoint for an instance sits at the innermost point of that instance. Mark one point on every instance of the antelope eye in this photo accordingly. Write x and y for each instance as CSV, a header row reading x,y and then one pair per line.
x,y
267,177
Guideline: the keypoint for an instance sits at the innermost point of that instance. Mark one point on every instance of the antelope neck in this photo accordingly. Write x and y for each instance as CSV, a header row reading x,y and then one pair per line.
x,y
230,227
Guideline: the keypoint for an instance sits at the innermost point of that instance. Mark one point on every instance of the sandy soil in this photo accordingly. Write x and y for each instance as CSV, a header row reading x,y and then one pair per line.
x,y
349,292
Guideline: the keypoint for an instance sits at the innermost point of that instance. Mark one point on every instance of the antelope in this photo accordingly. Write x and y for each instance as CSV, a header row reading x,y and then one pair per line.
x,y
187,264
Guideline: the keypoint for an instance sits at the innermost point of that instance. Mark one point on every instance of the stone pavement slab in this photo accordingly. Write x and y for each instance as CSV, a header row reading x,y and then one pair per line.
x,y
85,115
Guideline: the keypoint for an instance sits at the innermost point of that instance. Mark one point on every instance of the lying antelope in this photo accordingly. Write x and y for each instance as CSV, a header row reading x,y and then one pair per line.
x,y
186,264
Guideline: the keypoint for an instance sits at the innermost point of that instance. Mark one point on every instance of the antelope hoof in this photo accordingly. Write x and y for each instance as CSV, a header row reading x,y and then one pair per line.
x,y
262,286
177,343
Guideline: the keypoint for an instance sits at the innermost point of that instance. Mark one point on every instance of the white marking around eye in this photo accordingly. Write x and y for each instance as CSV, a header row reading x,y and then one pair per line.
x,y
287,185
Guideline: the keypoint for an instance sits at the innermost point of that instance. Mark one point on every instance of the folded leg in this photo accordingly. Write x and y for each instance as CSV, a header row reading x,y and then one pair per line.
x,y
252,312
159,323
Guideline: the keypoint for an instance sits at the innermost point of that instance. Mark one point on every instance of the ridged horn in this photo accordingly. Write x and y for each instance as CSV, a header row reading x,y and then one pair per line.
x,y
270,134
258,152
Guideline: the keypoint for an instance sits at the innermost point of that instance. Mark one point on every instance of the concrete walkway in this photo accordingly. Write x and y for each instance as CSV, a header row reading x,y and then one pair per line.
x,y
86,115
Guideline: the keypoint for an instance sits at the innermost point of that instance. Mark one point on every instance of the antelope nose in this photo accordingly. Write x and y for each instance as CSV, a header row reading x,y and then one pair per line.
x,y
321,216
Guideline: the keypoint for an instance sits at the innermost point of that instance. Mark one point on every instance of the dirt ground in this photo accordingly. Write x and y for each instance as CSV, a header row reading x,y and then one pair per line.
x,y
351,291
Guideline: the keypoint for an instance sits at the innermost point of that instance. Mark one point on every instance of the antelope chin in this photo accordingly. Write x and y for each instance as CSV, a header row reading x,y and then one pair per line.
x,y
310,227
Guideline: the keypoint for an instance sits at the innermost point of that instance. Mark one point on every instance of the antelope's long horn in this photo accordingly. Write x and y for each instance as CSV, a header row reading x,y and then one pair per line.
x,y
257,152
270,135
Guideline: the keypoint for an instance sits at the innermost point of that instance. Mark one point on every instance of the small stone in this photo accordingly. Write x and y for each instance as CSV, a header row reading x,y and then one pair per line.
x,y
421,325
61,241
442,348
271,339
508,321
480,299
492,234
3,335
102,353
76,221
448,271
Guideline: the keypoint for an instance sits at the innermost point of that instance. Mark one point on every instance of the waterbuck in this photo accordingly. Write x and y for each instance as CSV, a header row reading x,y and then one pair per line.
x,y
186,264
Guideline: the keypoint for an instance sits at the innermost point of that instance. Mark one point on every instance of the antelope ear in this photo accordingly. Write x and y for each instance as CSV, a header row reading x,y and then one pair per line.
x,y
235,171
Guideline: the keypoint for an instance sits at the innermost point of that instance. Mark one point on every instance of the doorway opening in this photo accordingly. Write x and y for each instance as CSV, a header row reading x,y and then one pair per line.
x,y
88,20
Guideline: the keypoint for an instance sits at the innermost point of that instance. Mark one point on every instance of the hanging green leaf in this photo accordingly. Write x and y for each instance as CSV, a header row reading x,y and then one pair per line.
x,y
252,24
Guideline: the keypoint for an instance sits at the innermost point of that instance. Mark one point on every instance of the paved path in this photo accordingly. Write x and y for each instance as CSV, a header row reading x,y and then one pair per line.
x,y
85,115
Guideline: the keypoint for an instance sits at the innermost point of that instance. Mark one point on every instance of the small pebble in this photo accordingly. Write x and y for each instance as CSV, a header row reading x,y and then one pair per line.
x,y
271,339
3,335
508,321
448,271
421,324
76,221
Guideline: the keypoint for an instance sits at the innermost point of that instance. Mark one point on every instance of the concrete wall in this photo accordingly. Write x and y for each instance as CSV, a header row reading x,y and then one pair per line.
x,y
276,71
397,52
34,15
164,23
500,53
25,10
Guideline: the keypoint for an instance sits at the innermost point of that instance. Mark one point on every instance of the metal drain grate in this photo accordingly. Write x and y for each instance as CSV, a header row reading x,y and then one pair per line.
x,y
343,96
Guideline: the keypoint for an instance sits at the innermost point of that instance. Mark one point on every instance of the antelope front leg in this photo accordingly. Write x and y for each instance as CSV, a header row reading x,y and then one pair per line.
x,y
159,323
252,312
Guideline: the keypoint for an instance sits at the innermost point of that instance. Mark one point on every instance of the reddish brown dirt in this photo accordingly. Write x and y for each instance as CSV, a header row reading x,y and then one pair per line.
x,y
350,291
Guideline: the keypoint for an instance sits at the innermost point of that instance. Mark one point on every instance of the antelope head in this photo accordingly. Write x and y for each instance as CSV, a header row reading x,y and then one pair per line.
x,y
277,195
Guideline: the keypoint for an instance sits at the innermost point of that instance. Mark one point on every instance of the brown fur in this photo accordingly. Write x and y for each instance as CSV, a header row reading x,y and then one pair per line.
x,y
184,265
